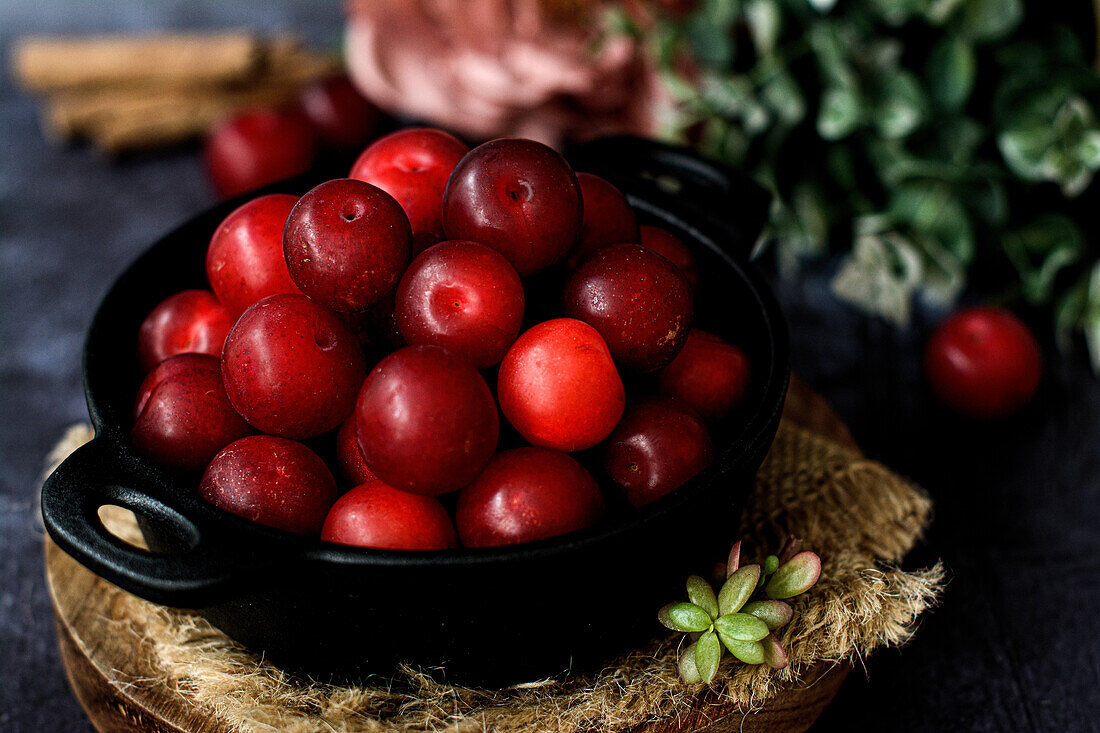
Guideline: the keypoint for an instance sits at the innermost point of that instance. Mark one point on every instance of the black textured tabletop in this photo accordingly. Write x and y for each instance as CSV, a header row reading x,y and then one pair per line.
x,y
1013,646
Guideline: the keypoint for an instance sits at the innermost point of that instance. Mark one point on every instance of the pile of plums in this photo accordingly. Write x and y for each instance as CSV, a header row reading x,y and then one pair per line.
x,y
480,284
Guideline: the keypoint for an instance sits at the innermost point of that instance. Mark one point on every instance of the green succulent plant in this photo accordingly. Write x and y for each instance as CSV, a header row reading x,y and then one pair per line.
x,y
909,135
730,621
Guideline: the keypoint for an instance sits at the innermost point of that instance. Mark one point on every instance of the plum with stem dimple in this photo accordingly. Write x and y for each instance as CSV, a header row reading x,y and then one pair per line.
x,y
463,296
346,244
519,197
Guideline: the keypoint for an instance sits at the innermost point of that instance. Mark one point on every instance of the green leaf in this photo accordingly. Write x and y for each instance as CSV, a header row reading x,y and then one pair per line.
x,y
879,275
1040,251
689,671
831,51
881,54
684,617
738,588
771,564
951,71
782,94
1024,149
749,652
774,654
812,212
901,107
794,577
741,626
765,20
708,652
1090,320
730,96
942,275
1088,149
840,113
930,208
702,595
989,20
1079,309
773,613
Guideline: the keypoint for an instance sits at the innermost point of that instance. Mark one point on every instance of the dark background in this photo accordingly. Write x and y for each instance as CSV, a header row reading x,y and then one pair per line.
x,y
1013,645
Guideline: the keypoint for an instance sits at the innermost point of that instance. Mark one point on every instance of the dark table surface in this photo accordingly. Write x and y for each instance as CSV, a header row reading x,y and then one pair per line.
x,y
1012,647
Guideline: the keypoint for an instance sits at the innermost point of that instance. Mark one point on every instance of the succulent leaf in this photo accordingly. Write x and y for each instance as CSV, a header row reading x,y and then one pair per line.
x,y
773,613
689,673
734,561
737,589
774,654
730,620
702,595
749,652
791,548
795,576
741,626
684,617
708,652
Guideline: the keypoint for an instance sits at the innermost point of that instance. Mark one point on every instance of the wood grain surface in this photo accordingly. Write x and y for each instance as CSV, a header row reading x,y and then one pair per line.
x,y
112,673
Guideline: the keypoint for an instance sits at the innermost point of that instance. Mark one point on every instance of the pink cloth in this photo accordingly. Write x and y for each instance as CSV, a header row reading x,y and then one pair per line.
x,y
494,68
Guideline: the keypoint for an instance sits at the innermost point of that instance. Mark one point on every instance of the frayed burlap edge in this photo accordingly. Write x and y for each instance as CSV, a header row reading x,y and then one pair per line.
x,y
857,515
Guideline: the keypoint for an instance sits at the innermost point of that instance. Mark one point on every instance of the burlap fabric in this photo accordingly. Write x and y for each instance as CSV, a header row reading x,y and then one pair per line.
x,y
857,515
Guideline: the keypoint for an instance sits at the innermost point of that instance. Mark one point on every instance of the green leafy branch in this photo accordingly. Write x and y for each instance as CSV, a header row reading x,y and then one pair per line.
x,y
731,621
918,137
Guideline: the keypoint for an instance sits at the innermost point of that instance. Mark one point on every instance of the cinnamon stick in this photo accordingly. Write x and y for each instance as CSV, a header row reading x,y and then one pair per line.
x,y
50,63
168,119
287,67
128,121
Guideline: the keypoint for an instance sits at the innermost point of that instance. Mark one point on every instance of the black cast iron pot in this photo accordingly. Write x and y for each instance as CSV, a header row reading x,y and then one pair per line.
x,y
477,615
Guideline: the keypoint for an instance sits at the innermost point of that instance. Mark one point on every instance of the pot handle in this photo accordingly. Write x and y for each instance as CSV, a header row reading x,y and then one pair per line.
x,y
733,205
96,475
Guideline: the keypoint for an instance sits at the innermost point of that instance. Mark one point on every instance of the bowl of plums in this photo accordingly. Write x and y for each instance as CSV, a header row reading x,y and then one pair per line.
x,y
479,411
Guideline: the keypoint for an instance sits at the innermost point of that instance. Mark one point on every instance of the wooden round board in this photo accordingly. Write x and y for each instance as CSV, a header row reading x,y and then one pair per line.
x,y
113,675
